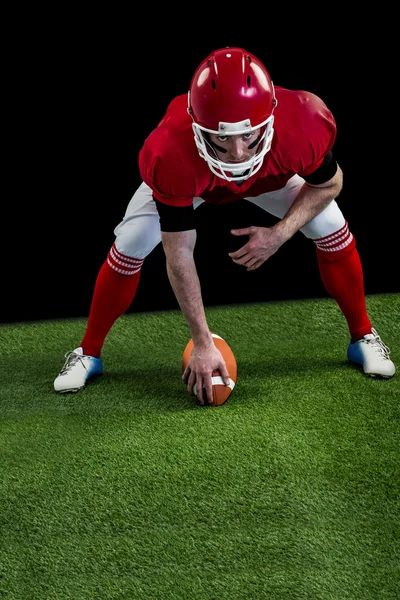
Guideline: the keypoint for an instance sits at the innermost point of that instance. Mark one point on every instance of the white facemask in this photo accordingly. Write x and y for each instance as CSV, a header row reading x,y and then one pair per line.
x,y
243,170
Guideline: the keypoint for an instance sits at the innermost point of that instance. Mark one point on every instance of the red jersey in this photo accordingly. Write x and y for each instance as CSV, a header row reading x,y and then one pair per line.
x,y
169,162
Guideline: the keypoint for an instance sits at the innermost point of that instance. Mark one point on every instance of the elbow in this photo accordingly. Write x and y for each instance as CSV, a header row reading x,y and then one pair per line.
x,y
334,186
338,182
337,188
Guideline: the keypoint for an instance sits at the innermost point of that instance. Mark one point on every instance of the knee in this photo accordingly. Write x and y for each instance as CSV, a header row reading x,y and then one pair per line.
x,y
134,242
326,223
336,245
123,263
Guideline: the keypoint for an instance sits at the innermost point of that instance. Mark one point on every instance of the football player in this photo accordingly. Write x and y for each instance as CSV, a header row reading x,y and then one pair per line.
x,y
233,136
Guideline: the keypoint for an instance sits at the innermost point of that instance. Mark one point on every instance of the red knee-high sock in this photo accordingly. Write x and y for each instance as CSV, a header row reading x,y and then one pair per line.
x,y
342,275
114,291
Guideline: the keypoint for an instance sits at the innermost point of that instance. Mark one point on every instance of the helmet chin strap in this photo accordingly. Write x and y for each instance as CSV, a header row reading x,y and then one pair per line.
x,y
238,179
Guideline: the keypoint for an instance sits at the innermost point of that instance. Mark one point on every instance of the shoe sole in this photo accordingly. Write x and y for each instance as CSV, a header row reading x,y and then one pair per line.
x,y
373,375
378,376
72,390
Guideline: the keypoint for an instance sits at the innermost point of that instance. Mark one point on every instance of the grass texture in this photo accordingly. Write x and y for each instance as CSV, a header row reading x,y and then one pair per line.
x,y
128,490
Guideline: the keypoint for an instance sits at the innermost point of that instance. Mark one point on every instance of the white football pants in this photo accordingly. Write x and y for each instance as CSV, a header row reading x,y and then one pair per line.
x,y
139,231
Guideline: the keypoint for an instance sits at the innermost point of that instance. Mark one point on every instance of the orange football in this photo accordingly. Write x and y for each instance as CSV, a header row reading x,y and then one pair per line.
x,y
221,392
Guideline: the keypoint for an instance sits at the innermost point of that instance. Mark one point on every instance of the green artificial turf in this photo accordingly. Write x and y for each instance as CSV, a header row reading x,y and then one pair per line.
x,y
128,490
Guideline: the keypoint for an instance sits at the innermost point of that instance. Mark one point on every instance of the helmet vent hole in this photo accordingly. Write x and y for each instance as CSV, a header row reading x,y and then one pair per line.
x,y
214,86
248,81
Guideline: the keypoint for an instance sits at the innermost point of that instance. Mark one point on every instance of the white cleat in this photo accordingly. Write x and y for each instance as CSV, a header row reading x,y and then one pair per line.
x,y
77,369
373,355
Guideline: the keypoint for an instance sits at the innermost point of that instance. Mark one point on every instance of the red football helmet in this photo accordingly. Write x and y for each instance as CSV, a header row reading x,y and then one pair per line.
x,y
231,93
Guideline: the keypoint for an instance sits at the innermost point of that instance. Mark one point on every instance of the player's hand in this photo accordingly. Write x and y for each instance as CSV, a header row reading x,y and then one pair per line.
x,y
203,361
263,243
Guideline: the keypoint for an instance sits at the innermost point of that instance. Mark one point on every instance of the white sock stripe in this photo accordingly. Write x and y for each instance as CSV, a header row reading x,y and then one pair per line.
x,y
331,236
123,257
131,263
122,271
336,248
114,260
334,242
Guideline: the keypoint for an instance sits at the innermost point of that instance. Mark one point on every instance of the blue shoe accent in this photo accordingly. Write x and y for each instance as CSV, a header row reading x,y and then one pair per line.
x,y
77,370
373,355
354,353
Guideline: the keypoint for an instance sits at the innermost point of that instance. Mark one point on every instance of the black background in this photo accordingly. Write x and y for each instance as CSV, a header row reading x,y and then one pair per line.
x,y
84,90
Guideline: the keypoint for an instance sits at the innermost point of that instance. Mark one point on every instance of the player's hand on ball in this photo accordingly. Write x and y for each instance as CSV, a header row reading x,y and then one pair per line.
x,y
209,373
204,360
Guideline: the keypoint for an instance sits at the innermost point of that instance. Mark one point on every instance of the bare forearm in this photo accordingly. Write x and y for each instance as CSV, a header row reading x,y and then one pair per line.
x,y
182,274
186,286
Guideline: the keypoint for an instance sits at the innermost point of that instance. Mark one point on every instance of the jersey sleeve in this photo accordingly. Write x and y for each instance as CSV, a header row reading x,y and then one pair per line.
x,y
307,132
321,128
170,168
